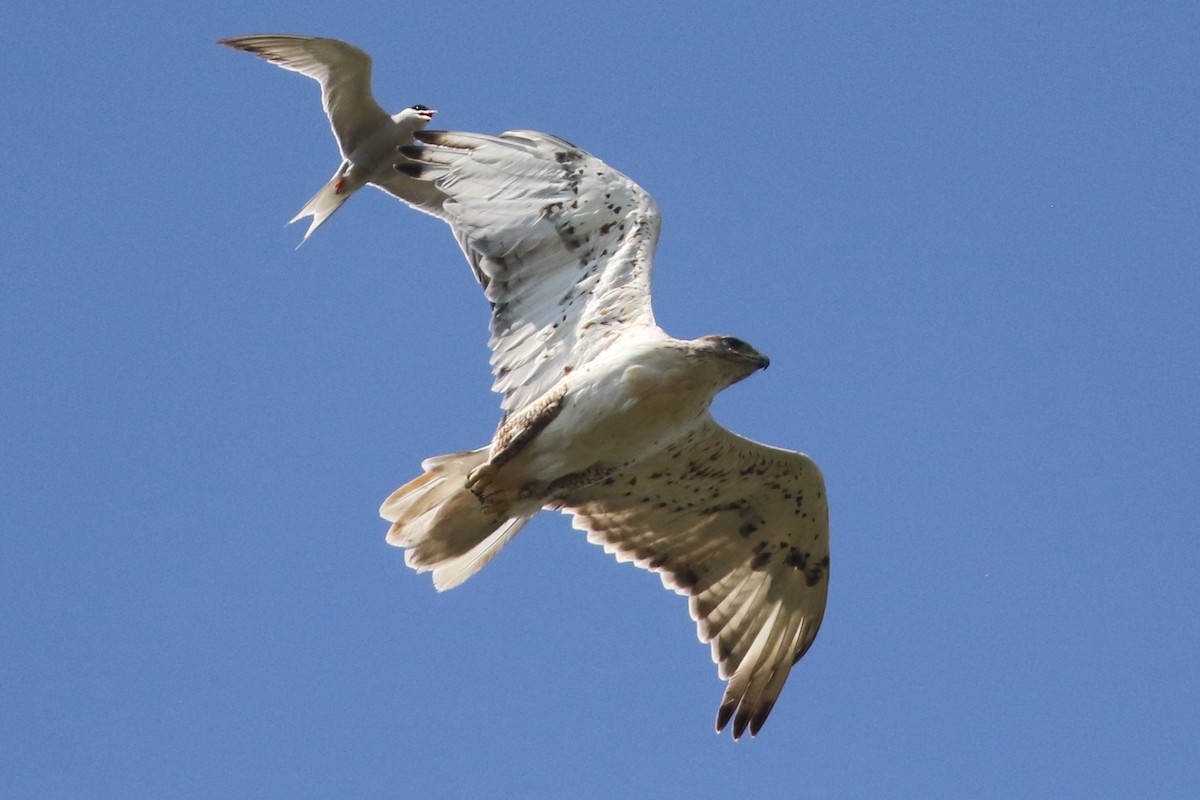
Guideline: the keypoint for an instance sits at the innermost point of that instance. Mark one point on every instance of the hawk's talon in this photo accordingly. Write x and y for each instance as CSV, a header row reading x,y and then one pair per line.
x,y
480,478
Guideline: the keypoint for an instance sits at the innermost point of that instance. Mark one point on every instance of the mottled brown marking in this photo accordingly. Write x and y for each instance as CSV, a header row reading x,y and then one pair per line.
x,y
686,578
519,429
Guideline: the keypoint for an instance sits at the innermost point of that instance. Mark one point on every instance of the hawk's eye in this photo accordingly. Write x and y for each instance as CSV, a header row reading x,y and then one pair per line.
x,y
733,343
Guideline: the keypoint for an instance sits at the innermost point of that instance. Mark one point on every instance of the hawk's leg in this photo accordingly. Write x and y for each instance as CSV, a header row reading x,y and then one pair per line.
x,y
515,432
559,488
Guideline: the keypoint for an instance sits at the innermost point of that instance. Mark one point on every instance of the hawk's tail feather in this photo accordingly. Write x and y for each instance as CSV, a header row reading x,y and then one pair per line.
x,y
442,525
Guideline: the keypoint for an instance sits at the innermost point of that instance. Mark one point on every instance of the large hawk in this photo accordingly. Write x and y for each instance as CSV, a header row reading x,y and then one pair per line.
x,y
606,417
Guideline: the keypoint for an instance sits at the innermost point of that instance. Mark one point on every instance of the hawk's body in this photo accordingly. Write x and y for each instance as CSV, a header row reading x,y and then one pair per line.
x,y
607,416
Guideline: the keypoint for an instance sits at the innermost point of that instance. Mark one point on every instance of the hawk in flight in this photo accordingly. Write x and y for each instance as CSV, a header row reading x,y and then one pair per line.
x,y
606,416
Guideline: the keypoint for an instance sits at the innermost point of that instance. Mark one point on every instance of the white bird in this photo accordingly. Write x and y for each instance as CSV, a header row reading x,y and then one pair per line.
x,y
366,134
607,417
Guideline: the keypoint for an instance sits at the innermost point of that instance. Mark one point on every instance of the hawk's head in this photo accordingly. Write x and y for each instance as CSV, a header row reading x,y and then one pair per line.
x,y
735,357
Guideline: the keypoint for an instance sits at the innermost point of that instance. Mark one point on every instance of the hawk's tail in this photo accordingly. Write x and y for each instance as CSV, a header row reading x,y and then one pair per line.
x,y
442,525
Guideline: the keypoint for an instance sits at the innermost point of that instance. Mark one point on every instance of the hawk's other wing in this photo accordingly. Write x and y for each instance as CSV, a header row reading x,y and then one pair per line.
x,y
561,242
343,70
743,530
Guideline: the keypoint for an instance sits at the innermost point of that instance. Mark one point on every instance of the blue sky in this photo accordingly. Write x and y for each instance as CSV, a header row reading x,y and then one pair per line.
x,y
965,234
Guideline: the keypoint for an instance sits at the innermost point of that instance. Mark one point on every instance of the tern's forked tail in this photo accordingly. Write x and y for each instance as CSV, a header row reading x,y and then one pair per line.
x,y
322,205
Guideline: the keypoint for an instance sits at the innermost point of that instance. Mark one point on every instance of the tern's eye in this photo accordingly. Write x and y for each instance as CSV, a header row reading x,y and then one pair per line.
x,y
419,108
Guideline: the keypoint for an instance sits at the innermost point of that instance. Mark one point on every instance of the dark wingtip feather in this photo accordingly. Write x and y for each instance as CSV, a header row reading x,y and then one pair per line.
x,y
457,140
724,713
740,722
240,43
803,649
411,169
429,137
759,717
410,151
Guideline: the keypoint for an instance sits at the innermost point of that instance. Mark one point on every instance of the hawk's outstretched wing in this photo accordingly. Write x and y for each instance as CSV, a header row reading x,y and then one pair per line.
x,y
561,242
740,527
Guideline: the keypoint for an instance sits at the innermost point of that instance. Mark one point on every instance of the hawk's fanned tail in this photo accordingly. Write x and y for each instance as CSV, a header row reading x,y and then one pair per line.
x,y
442,525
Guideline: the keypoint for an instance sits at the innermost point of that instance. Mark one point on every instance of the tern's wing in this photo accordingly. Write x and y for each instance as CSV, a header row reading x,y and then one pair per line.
x,y
343,70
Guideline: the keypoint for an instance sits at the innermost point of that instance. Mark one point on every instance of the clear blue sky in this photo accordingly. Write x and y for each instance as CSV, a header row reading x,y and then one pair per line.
x,y
966,235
